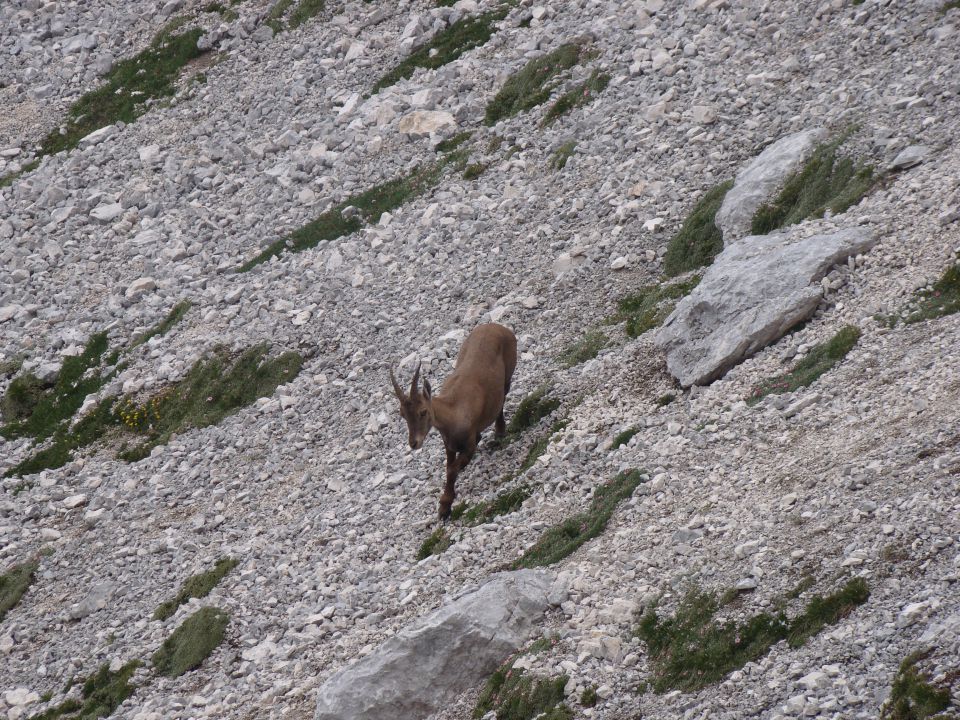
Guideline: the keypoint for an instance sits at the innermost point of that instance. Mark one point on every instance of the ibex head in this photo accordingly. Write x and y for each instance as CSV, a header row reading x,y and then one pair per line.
x,y
416,408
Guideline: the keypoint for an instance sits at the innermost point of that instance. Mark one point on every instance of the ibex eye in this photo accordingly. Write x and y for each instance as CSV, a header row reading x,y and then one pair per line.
x,y
423,413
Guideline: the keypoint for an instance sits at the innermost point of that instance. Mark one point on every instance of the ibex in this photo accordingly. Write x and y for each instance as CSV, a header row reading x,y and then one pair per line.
x,y
470,400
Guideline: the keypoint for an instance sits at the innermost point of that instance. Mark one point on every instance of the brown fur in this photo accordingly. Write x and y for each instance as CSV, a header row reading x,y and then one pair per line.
x,y
470,400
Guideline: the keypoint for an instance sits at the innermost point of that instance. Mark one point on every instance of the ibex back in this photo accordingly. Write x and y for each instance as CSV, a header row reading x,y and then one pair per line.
x,y
470,400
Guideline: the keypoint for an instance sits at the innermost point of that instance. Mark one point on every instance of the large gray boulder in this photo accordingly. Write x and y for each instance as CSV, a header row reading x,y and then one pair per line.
x,y
761,179
429,663
755,291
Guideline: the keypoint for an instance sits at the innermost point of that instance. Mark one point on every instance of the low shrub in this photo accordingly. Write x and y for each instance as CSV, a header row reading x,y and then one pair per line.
x,y
13,584
191,643
647,308
913,696
196,586
699,240
585,349
579,96
819,359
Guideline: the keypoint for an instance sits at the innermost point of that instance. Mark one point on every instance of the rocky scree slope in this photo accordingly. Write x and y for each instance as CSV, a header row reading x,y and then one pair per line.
x,y
312,490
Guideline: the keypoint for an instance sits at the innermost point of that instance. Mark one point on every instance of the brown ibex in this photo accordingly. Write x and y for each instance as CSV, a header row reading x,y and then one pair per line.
x,y
470,400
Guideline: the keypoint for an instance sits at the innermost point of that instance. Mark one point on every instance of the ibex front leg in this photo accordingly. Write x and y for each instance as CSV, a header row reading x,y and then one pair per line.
x,y
455,463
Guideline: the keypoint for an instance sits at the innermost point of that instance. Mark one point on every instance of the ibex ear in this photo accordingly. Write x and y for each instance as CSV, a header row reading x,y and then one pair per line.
x,y
426,389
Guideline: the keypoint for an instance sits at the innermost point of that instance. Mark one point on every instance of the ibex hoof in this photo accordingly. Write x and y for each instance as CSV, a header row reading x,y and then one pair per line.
x,y
444,513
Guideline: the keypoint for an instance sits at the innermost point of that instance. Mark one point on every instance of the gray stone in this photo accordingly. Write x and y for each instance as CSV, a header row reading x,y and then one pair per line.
x,y
910,156
107,213
427,664
760,179
754,292
98,136
426,122
97,599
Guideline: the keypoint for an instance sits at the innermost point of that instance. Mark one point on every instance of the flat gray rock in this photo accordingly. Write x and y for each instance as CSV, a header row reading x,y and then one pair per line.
x,y
427,664
910,156
761,179
754,292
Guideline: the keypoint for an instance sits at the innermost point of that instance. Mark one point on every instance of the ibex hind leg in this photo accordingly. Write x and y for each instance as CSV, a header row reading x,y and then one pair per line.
x,y
500,427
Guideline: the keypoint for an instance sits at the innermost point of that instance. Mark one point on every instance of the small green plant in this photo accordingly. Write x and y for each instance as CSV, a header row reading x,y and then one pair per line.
x,y
504,503
532,84
560,540
129,86
103,692
191,643
275,16
214,388
305,10
446,46
948,6
580,95
540,446
665,399
558,161
650,306
699,240
474,170
9,178
825,182
692,650
436,543
588,698
531,410
514,695
365,207
163,327
942,299
585,349
820,359
913,696
624,437
13,584
196,586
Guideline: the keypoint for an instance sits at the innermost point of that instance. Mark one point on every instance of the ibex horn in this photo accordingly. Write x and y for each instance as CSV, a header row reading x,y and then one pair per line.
x,y
416,379
396,387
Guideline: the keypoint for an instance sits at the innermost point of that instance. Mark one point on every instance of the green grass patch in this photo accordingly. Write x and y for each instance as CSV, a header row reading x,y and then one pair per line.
x,y
367,206
585,349
589,697
13,584
647,308
191,643
305,10
699,240
558,161
514,695
9,178
196,586
825,182
540,445
148,75
214,388
949,5
103,692
624,437
913,696
452,143
562,539
446,46
532,84
531,410
436,543
474,170
942,299
35,411
665,399
819,359
164,326
692,649
504,503
580,95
